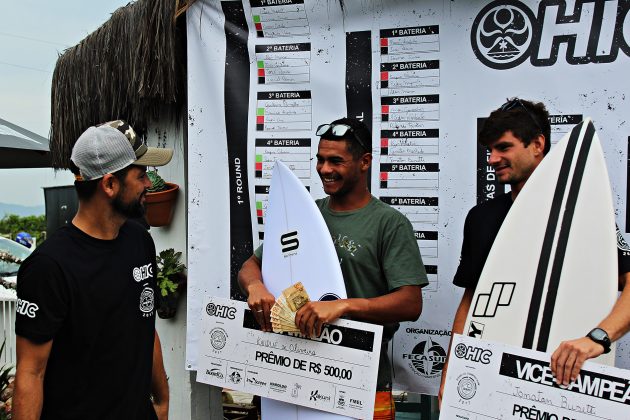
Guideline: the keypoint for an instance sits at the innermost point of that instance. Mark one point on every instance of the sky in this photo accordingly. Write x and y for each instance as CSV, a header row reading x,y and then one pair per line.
x,y
32,35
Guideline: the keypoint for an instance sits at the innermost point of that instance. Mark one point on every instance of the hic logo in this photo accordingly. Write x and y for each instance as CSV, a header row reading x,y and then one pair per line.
x,y
487,304
24,307
220,311
506,33
289,242
502,33
473,354
142,273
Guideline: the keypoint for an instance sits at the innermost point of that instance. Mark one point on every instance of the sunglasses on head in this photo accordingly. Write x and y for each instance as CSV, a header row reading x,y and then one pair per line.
x,y
515,103
339,131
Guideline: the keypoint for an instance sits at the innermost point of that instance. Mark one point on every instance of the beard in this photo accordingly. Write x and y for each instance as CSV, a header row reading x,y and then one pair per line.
x,y
130,210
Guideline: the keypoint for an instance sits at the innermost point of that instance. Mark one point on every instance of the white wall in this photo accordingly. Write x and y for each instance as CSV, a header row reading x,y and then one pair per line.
x,y
188,399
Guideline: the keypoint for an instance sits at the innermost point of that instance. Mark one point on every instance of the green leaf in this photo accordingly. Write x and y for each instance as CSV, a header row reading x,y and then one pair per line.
x,y
168,266
157,183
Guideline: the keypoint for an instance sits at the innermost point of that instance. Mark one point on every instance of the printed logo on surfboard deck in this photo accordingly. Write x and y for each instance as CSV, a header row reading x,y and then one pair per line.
x,y
476,329
505,33
487,304
290,243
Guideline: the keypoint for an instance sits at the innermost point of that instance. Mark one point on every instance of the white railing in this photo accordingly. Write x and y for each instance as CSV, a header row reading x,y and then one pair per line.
x,y
7,331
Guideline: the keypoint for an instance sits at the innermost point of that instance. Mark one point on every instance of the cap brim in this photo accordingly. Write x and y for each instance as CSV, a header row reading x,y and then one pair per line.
x,y
155,156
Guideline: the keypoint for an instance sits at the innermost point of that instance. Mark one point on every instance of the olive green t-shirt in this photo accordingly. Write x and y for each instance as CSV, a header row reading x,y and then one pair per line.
x,y
378,253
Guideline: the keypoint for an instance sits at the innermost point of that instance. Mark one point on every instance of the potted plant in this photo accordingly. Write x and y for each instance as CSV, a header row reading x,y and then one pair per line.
x,y
170,280
160,200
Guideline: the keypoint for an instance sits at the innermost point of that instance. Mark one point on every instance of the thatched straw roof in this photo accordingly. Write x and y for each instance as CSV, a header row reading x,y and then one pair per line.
x,y
132,67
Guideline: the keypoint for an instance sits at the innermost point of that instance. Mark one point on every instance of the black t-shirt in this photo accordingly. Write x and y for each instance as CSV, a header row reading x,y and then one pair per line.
x,y
482,226
95,299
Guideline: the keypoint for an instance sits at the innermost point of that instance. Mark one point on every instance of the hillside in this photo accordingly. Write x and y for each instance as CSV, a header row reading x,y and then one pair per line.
x,y
6,208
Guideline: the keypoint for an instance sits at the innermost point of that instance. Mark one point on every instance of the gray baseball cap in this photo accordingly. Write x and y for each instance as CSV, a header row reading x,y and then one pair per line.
x,y
112,146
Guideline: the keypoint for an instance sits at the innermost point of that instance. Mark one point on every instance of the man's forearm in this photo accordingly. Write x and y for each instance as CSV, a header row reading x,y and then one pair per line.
x,y
259,300
159,382
250,274
460,318
458,327
568,358
617,323
403,304
28,396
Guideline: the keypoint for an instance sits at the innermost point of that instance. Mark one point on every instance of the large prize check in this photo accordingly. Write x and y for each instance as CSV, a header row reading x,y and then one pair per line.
x,y
488,380
335,372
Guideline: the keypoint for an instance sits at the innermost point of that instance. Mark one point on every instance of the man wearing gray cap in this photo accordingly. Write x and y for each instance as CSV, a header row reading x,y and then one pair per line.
x,y
85,323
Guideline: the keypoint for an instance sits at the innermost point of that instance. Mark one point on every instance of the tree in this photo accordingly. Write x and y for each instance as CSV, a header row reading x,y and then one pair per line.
x,y
11,224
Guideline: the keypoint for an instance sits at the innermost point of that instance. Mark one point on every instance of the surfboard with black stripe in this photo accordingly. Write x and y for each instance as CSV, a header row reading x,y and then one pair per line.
x,y
551,274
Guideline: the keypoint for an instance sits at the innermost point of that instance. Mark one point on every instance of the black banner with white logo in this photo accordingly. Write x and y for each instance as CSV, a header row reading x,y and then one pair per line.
x,y
236,109
359,80
488,186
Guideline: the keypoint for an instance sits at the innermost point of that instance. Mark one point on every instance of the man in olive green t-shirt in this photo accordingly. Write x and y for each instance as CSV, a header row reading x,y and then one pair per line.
x,y
378,253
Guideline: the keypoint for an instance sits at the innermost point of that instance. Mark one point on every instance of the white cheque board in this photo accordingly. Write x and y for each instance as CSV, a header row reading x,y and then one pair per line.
x,y
335,373
490,380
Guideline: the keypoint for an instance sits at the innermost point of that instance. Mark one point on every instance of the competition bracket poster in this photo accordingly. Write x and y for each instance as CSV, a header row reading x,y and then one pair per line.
x,y
263,74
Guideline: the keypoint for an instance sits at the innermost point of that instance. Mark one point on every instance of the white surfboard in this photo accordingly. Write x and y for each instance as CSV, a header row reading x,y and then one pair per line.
x,y
551,274
297,247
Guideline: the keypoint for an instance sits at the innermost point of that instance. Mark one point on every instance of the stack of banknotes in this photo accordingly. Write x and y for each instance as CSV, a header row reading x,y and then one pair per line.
x,y
287,304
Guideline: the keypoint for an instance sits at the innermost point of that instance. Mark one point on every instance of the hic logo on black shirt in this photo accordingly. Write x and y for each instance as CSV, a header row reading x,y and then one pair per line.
x,y
142,273
24,307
